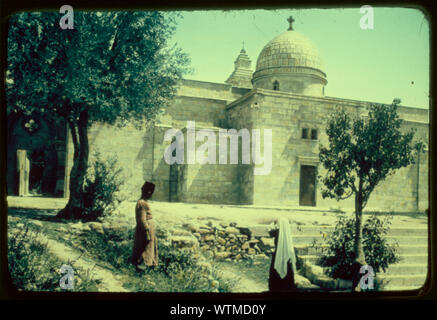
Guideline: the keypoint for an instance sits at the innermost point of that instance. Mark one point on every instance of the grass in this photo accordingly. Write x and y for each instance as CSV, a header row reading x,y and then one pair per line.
x,y
32,267
179,270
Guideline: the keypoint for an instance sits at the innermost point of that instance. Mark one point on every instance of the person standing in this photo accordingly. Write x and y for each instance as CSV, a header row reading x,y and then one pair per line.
x,y
145,249
283,265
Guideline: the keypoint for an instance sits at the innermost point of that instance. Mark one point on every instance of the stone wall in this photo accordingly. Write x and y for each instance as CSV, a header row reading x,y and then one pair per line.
x,y
141,152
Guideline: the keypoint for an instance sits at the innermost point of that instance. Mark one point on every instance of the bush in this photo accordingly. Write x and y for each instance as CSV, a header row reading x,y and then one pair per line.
x,y
171,259
33,268
114,248
338,256
178,269
102,182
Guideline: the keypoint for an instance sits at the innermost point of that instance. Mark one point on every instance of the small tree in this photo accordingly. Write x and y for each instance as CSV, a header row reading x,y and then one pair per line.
x,y
362,153
113,67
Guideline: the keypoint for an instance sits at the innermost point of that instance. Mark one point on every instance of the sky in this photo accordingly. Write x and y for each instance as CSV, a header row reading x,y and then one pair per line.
x,y
391,60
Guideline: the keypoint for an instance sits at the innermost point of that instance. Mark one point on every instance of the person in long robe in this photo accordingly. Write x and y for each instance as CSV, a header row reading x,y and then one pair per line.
x,y
283,266
145,249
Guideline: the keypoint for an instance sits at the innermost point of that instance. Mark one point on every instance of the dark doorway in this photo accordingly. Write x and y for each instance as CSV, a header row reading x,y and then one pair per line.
x,y
36,172
307,194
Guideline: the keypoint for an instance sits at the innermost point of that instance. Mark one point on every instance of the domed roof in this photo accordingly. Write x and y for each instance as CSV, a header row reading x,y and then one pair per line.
x,y
289,49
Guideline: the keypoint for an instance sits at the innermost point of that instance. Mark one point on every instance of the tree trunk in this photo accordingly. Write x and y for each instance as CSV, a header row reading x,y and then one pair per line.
x,y
79,133
360,259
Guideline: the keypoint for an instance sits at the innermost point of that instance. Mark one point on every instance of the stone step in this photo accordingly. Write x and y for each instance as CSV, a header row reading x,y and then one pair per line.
x,y
409,264
413,258
304,249
394,231
400,288
407,259
404,280
405,268
413,249
401,240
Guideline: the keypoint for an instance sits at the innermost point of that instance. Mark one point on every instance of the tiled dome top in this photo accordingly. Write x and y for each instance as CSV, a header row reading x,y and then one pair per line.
x,y
289,49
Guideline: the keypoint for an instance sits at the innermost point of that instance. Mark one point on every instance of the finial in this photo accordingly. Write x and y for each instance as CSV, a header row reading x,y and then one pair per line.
x,y
242,50
290,21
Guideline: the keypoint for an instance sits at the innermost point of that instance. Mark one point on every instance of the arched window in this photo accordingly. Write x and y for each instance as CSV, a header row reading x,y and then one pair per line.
x,y
276,85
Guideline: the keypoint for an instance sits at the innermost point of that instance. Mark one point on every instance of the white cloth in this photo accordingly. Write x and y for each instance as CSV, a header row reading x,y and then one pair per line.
x,y
285,249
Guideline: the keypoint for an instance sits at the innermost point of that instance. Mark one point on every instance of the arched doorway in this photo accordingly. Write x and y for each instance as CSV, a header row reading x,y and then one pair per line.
x,y
36,156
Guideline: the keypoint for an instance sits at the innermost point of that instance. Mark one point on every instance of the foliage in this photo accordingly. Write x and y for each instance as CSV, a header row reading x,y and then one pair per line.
x,y
339,256
33,268
113,67
114,64
178,269
114,248
101,185
364,151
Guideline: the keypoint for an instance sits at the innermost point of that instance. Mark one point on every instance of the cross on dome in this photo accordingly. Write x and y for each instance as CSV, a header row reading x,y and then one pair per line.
x,y
290,21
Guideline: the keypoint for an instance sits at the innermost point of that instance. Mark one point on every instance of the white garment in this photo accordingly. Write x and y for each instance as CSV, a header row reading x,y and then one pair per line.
x,y
285,249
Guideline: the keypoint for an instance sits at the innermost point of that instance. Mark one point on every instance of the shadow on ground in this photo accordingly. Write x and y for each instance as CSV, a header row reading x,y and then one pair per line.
x,y
35,214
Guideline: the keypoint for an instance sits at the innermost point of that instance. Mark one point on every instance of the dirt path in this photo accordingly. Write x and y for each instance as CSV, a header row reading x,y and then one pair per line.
x,y
109,282
243,283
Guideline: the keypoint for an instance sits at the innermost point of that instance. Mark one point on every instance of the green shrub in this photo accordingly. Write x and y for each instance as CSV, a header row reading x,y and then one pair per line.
x,y
172,259
177,271
33,268
114,248
102,182
338,256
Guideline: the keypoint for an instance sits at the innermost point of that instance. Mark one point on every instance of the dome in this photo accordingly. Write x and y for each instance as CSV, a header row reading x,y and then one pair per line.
x,y
290,63
289,49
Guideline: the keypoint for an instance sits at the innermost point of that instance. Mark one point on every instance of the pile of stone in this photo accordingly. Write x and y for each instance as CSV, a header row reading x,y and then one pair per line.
x,y
230,242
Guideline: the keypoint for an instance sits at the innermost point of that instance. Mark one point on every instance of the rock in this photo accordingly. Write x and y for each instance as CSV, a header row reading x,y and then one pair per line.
x,y
251,251
37,223
95,226
223,255
205,266
203,230
20,225
268,242
184,241
245,231
209,237
233,224
221,240
62,230
317,276
302,282
259,231
162,233
13,219
191,227
245,246
232,230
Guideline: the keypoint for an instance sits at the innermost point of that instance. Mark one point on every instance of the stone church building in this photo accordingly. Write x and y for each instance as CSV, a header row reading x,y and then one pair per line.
x,y
285,93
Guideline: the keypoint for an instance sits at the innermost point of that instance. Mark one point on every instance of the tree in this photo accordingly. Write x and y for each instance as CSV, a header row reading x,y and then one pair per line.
x,y
362,153
113,67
